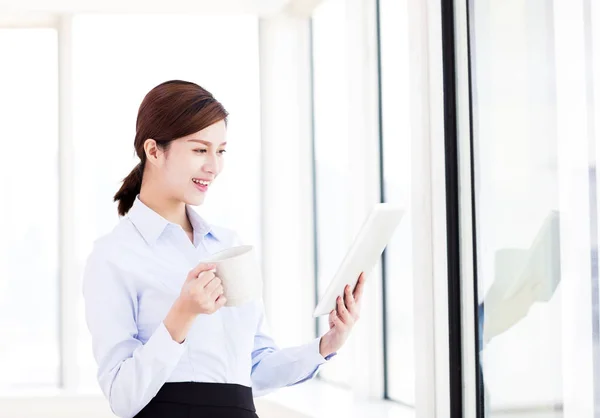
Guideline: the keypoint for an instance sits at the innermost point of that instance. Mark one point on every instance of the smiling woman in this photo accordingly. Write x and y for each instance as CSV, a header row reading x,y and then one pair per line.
x,y
105,127
165,342
173,119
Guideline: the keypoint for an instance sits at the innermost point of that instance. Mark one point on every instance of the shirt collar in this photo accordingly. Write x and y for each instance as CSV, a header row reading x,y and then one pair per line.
x,y
151,225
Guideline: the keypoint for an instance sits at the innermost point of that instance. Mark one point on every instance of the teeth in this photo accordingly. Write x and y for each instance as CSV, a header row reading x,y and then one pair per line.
x,y
202,182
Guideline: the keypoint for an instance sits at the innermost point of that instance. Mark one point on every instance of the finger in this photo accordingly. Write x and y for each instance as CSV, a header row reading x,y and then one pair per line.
x,y
354,308
352,305
360,285
349,300
332,315
337,322
212,285
342,311
220,302
217,292
205,278
195,272
213,278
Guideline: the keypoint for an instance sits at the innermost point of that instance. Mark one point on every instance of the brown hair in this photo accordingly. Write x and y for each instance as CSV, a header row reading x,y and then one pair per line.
x,y
171,110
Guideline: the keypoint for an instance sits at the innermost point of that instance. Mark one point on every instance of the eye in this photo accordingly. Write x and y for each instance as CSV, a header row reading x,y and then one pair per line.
x,y
222,151
200,150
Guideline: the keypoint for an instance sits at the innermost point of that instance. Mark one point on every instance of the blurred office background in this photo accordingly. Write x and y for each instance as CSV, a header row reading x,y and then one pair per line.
x,y
479,117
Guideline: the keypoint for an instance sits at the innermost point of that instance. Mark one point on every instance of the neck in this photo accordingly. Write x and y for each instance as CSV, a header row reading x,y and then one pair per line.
x,y
170,209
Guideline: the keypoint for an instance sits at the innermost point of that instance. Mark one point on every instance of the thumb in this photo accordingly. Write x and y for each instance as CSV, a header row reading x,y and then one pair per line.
x,y
195,272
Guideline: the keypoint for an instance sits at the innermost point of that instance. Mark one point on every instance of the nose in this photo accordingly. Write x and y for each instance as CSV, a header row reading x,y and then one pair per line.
x,y
211,165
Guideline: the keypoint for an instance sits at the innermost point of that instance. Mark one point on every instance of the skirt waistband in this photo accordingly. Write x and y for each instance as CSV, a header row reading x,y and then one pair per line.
x,y
207,394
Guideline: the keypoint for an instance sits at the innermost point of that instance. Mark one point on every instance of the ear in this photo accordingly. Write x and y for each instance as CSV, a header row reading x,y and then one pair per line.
x,y
153,153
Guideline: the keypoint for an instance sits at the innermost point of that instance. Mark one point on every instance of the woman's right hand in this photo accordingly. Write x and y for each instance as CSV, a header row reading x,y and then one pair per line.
x,y
202,293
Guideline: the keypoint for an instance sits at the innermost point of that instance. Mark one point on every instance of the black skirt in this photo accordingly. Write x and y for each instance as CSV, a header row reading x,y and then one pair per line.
x,y
201,400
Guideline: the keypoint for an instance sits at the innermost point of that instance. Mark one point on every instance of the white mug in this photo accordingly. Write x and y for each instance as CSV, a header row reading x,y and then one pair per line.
x,y
238,269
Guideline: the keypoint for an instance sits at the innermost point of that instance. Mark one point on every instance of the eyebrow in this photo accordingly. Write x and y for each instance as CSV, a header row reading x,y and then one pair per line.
x,y
208,144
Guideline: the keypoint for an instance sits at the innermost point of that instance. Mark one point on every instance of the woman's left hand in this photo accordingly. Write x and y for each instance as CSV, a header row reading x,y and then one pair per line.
x,y
342,319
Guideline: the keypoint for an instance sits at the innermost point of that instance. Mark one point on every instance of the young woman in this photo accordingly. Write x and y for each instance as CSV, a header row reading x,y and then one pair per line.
x,y
164,342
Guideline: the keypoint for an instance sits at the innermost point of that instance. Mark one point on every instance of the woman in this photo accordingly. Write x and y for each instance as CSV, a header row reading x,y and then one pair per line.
x,y
164,342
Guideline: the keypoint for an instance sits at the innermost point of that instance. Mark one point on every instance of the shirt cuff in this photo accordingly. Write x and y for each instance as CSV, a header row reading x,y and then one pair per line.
x,y
162,347
318,358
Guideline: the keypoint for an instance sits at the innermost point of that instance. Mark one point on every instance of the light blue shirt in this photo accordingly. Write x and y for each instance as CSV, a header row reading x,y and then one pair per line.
x,y
131,279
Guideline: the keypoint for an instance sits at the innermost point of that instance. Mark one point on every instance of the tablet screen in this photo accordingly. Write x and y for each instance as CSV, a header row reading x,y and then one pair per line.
x,y
363,254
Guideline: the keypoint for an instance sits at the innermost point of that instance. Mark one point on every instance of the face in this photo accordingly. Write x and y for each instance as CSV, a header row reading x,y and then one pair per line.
x,y
188,167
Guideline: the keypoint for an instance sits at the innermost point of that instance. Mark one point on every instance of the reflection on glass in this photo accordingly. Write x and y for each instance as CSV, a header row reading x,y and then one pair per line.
x,y
29,354
521,278
520,187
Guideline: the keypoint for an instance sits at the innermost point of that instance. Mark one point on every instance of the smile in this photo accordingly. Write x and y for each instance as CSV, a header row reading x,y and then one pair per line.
x,y
201,182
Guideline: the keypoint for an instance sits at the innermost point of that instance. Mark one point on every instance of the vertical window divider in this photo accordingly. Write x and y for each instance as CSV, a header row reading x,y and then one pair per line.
x,y
68,274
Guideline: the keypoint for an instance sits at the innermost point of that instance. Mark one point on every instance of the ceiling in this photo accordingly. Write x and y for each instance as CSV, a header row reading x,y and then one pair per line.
x,y
28,8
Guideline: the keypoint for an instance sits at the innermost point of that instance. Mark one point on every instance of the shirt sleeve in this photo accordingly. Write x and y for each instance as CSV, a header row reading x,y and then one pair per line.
x,y
274,368
129,373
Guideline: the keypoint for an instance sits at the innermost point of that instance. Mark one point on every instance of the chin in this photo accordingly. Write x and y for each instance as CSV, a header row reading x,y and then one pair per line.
x,y
194,200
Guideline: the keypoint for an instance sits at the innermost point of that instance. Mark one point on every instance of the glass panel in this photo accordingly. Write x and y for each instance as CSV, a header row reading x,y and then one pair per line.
x,y
536,208
112,72
333,175
395,88
29,351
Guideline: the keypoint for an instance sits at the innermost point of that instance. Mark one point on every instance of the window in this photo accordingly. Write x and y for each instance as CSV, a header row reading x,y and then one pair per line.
x,y
29,269
113,70
536,207
396,151
333,172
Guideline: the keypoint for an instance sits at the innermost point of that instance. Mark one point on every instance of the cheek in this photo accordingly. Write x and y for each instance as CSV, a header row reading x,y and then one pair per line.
x,y
178,171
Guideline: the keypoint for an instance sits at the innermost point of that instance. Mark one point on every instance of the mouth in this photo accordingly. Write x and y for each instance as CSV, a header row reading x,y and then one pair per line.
x,y
201,185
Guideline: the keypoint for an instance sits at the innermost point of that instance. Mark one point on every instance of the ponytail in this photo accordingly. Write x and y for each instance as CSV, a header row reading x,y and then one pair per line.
x,y
132,184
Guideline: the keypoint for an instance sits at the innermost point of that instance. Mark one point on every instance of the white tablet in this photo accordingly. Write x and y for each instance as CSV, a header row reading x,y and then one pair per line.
x,y
363,254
